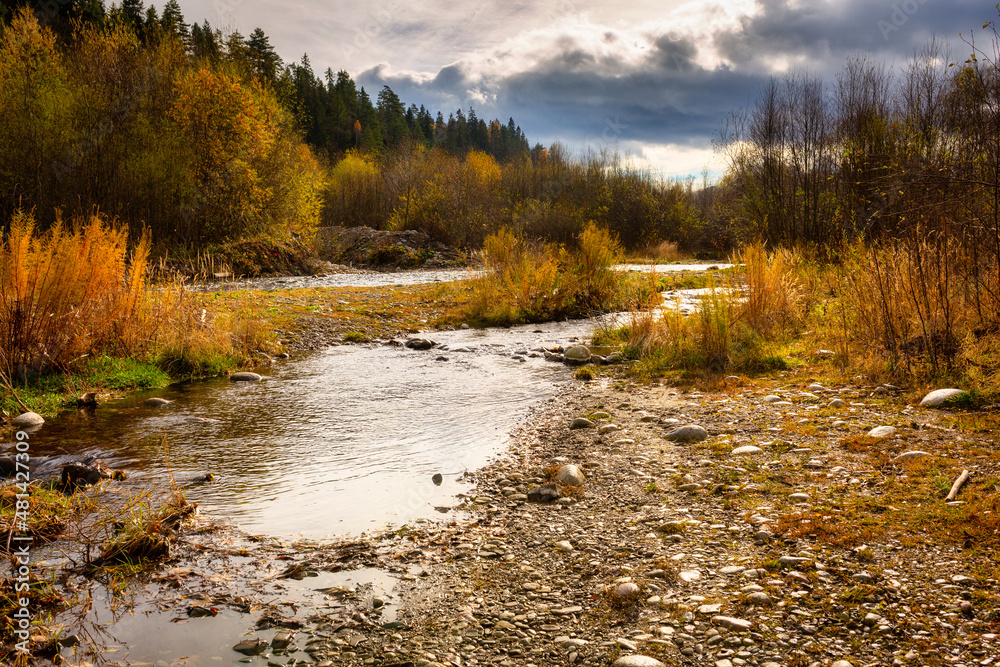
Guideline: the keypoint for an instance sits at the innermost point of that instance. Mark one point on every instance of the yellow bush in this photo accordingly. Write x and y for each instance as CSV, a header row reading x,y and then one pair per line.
x,y
70,292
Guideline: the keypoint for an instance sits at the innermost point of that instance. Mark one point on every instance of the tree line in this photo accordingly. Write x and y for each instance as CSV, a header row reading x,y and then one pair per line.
x,y
199,136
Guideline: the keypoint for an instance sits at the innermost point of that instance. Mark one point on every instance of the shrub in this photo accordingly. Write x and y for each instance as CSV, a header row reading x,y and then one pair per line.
x,y
71,292
531,282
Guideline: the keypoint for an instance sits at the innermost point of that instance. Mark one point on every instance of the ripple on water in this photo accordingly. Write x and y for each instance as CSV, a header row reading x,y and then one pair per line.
x,y
337,441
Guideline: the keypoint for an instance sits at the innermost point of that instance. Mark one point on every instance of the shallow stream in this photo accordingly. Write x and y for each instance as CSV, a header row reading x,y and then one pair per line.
x,y
330,443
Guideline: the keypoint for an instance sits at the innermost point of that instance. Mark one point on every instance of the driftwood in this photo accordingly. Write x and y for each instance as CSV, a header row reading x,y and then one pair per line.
x,y
962,479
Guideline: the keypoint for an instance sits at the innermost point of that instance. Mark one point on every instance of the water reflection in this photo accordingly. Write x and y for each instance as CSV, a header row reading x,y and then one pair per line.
x,y
331,442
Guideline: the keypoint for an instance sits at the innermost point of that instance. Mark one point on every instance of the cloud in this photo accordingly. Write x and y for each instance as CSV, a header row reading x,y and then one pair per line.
x,y
667,70
669,80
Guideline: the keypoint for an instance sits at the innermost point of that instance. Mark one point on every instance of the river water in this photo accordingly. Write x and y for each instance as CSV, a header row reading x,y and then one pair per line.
x,y
331,443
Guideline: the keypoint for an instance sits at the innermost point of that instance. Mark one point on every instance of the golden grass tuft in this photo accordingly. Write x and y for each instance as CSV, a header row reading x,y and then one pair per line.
x,y
72,291
525,282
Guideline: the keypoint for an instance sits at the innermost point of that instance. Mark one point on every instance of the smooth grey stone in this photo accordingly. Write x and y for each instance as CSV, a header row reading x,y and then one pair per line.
x,y
419,343
570,475
732,623
636,661
543,494
27,420
246,376
689,433
939,397
578,354
882,432
156,401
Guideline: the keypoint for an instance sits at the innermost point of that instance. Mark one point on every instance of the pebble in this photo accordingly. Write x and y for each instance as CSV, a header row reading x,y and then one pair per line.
x,y
882,432
545,493
916,453
837,403
746,449
732,623
250,646
578,354
581,422
771,399
689,433
570,475
688,576
627,590
636,661
621,642
419,344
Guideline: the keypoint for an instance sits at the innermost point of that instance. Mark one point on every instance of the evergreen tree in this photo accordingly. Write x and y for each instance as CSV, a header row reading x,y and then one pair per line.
x,y
263,59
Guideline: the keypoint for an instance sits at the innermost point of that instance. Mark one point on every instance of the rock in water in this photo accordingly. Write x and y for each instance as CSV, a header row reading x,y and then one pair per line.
x,y
570,475
546,493
882,432
419,344
636,661
27,420
156,402
78,474
245,376
437,479
251,646
689,433
581,422
578,354
939,397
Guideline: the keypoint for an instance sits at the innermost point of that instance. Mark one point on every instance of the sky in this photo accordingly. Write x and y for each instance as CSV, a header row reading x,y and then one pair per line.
x,y
652,79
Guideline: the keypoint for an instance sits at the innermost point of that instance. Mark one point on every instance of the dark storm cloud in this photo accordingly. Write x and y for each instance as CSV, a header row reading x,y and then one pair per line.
x,y
825,33
573,88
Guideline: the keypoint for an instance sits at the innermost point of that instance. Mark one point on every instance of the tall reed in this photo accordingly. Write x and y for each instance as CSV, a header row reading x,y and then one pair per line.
x,y
75,290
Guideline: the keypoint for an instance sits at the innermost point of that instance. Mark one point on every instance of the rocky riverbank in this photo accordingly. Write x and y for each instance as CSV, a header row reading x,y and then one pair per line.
x,y
781,534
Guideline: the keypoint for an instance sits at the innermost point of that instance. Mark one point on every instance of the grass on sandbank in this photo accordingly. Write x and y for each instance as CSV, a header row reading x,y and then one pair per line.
x,y
77,316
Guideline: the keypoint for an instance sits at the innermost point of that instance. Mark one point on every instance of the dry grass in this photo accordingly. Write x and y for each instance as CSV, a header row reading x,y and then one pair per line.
x,y
73,291
530,282
142,535
737,327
